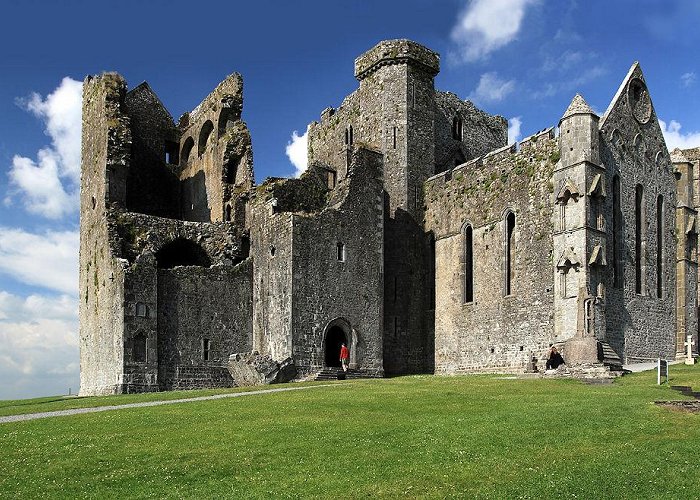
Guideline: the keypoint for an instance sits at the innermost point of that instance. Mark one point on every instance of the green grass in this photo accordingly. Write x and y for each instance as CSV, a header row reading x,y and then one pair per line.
x,y
427,437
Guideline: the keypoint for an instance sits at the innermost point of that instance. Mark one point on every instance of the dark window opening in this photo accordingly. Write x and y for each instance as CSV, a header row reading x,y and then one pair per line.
x,y
394,142
457,128
204,134
638,237
206,349
432,275
347,137
272,250
186,151
340,252
228,213
335,338
616,219
231,169
94,203
350,137
182,253
509,253
225,122
139,348
659,246
468,265
171,149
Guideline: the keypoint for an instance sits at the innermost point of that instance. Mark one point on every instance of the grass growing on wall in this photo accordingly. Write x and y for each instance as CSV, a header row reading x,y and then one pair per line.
x,y
435,437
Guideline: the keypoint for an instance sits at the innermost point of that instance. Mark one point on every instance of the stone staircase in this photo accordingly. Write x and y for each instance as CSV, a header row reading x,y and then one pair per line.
x,y
332,374
610,357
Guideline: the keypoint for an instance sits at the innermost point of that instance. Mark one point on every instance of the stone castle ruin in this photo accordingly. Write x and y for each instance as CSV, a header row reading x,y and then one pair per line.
x,y
418,236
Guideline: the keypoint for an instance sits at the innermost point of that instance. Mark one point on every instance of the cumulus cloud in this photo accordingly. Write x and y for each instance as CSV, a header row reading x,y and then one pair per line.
x,y
676,139
492,88
38,345
688,79
49,184
48,260
487,25
514,129
297,151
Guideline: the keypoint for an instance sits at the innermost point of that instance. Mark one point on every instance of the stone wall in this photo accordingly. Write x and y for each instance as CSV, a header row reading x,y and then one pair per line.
x,y
341,286
106,146
640,325
493,330
196,305
152,185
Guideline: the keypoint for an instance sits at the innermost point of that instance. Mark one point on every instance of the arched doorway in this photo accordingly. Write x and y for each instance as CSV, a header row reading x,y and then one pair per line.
x,y
335,337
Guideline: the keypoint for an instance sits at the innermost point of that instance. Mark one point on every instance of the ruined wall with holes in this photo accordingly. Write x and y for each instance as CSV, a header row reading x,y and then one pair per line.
x,y
216,156
494,329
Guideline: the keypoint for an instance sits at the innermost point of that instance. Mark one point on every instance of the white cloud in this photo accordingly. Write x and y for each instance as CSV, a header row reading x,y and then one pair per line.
x,y
38,345
514,129
675,139
49,185
491,88
688,79
487,25
48,260
570,82
297,152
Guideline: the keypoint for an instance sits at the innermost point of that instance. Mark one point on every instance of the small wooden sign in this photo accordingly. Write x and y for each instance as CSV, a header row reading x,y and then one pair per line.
x,y
662,371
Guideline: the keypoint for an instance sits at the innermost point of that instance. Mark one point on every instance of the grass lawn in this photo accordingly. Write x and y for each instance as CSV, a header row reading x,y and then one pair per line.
x,y
423,436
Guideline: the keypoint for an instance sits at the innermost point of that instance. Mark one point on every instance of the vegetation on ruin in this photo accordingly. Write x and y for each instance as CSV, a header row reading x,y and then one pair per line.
x,y
421,436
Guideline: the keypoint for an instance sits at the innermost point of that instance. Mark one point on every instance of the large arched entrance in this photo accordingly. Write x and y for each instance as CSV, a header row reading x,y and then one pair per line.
x,y
335,337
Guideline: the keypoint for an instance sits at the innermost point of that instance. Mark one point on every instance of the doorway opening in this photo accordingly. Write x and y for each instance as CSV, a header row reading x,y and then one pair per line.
x,y
335,337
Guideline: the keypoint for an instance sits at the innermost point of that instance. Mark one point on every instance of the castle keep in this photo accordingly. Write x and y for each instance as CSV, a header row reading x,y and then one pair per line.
x,y
418,236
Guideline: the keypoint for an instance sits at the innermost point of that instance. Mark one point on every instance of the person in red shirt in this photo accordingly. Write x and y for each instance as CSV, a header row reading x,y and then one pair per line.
x,y
344,355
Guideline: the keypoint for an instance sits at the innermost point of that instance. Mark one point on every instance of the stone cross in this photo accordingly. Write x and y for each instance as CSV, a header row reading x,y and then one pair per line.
x,y
689,344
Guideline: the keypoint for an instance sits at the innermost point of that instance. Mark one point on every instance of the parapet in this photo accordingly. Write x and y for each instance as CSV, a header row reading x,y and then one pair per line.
x,y
397,52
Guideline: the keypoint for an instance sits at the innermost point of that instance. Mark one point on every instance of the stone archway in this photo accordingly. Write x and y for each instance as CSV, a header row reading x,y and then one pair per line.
x,y
337,332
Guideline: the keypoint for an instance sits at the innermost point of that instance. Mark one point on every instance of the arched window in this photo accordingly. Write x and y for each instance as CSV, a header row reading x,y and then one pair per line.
x,y
186,151
468,264
182,253
204,136
616,236
659,246
639,256
509,253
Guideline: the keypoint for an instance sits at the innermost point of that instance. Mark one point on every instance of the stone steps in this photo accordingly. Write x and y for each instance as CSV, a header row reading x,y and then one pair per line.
x,y
332,374
610,357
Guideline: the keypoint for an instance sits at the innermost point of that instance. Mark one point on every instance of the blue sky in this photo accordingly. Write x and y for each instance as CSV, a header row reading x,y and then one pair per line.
x,y
523,59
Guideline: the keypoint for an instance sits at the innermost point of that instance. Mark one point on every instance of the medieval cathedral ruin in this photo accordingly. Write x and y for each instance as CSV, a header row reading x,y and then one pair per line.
x,y
418,236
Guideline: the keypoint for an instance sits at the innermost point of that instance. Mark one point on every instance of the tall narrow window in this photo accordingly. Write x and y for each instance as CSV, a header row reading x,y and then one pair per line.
x,y
228,213
457,128
509,253
347,137
638,238
616,218
340,252
468,264
433,275
350,138
659,245
206,349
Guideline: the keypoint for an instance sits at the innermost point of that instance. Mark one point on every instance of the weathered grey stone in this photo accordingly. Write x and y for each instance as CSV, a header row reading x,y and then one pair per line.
x,y
248,369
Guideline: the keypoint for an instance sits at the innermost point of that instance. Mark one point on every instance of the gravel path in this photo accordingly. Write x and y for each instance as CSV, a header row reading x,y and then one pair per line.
x,y
78,411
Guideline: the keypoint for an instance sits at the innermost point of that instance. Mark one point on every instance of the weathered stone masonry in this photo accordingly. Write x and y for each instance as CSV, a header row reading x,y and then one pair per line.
x,y
417,235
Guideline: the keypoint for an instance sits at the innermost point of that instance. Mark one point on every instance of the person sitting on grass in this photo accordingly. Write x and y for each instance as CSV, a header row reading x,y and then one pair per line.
x,y
555,359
